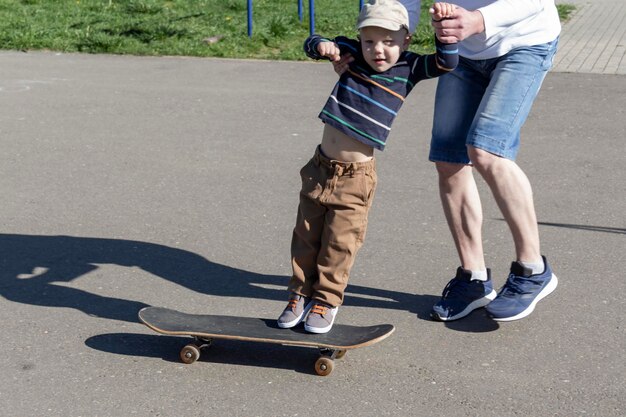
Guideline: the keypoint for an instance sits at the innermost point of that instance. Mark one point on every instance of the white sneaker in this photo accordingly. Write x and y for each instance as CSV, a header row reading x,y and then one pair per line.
x,y
295,312
320,318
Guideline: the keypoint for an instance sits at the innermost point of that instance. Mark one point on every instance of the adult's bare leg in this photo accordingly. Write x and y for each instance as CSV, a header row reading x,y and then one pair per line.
x,y
463,211
513,194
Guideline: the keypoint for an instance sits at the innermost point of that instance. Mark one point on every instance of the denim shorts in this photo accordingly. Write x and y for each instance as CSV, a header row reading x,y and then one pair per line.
x,y
484,103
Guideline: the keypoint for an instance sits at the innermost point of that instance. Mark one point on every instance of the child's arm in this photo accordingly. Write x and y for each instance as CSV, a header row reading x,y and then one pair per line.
x,y
434,65
318,47
447,53
446,57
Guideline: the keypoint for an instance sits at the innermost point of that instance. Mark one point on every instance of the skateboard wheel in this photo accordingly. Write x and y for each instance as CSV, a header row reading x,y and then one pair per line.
x,y
189,354
324,366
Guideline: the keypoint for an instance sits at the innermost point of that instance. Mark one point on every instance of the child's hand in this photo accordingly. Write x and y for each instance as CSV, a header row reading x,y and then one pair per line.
x,y
329,50
441,11
340,66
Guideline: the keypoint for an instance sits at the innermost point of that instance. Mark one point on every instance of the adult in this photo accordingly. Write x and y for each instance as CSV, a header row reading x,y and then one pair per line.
x,y
506,48
413,8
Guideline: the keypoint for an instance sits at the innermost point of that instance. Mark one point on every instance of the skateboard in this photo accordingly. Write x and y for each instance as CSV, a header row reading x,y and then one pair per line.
x,y
205,328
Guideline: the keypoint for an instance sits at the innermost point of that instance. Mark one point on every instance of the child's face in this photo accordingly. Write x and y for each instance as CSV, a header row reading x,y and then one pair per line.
x,y
382,47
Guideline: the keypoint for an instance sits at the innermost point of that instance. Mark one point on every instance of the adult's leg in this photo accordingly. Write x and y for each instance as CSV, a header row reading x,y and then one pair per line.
x,y
471,288
513,194
493,143
494,139
457,98
463,211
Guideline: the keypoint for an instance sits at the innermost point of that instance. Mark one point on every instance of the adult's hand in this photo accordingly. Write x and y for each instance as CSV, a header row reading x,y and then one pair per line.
x,y
463,24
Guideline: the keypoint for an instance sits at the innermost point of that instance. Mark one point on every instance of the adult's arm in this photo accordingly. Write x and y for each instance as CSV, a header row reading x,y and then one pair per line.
x,y
489,20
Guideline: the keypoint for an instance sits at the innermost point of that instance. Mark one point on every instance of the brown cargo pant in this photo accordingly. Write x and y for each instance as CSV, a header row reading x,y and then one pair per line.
x,y
330,228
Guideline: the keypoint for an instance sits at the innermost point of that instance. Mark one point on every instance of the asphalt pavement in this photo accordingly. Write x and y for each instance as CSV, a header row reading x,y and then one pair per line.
x,y
134,181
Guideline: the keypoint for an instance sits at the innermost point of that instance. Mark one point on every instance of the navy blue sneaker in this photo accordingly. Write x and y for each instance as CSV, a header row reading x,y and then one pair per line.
x,y
463,295
521,293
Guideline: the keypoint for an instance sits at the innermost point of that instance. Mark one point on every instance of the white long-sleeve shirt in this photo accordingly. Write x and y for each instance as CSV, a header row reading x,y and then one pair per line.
x,y
510,24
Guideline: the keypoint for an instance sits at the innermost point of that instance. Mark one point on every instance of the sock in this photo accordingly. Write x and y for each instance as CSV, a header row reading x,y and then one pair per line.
x,y
536,267
479,275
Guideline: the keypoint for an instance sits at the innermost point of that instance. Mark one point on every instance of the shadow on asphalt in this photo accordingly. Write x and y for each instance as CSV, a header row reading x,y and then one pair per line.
x,y
603,229
477,322
231,352
589,228
36,269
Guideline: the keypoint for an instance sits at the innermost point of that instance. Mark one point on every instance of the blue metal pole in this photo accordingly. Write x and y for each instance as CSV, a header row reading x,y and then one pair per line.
x,y
249,18
311,17
300,10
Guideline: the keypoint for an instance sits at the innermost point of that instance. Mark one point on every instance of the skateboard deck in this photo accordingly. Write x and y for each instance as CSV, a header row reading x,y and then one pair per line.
x,y
205,328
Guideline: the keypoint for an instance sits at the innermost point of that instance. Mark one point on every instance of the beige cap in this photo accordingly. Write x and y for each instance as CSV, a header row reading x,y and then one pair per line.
x,y
388,14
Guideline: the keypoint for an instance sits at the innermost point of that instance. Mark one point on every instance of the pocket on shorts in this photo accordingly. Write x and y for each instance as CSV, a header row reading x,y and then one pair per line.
x,y
546,51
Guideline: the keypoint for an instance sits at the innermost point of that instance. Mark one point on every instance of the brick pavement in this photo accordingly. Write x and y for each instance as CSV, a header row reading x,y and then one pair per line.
x,y
593,40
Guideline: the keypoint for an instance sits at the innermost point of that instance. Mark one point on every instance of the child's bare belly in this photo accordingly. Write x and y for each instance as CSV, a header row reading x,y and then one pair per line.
x,y
341,147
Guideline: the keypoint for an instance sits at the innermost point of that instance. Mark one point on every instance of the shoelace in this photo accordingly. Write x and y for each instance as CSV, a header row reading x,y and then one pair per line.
x,y
319,309
454,287
516,285
293,303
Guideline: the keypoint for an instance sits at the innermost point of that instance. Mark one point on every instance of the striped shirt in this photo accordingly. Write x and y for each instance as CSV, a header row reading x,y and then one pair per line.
x,y
364,103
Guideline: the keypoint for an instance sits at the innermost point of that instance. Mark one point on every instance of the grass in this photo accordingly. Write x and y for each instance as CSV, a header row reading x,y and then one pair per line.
x,y
565,10
209,28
